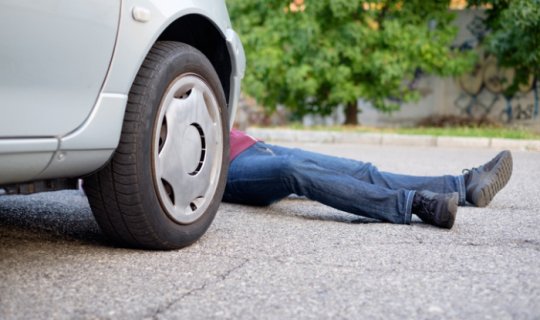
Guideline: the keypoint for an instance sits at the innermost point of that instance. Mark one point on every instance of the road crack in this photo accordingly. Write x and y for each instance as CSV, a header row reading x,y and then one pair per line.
x,y
219,278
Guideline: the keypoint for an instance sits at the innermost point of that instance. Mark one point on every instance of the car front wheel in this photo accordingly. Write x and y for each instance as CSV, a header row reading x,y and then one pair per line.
x,y
163,186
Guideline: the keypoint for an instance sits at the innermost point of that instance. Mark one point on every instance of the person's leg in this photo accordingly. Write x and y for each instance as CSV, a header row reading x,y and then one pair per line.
x,y
262,175
369,173
254,178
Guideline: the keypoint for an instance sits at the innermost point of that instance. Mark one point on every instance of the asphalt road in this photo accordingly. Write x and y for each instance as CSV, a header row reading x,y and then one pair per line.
x,y
295,259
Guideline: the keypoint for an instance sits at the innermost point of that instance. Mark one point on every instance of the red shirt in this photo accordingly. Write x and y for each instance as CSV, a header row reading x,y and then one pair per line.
x,y
239,142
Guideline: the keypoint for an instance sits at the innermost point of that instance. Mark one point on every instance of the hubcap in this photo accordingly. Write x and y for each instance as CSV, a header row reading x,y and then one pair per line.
x,y
188,148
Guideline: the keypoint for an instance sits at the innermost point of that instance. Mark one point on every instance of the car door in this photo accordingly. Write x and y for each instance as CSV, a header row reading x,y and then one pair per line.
x,y
54,57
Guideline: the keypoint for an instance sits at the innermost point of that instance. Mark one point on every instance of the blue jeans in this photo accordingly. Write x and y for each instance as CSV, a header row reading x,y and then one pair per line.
x,y
265,173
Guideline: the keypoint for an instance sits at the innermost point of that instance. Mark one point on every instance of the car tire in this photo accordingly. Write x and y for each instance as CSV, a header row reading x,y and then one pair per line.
x,y
165,181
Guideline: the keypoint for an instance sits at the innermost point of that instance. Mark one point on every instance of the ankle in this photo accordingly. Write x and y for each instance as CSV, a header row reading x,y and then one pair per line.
x,y
437,209
466,176
416,203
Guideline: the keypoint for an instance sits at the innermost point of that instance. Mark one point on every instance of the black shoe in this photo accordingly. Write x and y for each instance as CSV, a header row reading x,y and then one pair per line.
x,y
483,183
438,209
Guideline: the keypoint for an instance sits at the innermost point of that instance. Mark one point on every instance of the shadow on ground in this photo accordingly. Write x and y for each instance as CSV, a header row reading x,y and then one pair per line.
x,y
62,215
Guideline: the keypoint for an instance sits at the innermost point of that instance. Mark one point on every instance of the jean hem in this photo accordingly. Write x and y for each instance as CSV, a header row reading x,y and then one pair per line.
x,y
408,207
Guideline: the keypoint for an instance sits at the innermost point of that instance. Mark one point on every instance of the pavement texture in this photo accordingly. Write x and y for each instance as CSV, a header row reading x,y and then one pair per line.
x,y
293,260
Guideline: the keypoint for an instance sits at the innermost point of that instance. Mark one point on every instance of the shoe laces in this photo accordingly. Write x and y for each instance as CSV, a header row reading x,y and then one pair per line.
x,y
468,173
424,206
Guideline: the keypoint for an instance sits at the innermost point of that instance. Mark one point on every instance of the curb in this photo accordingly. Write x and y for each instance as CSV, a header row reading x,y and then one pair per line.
x,y
307,136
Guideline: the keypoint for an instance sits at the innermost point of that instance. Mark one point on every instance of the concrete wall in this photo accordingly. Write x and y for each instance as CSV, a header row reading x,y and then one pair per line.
x,y
475,95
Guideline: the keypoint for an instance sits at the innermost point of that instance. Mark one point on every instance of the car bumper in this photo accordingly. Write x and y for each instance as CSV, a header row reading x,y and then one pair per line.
x,y
238,61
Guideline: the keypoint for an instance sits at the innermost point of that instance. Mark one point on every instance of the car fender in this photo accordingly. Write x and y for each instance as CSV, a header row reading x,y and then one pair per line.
x,y
141,24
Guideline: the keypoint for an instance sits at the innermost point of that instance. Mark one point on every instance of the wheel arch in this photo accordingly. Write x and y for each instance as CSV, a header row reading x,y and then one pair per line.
x,y
200,32
203,24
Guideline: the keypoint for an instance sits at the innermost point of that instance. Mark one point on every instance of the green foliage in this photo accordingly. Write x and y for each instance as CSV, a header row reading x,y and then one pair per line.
x,y
515,35
332,52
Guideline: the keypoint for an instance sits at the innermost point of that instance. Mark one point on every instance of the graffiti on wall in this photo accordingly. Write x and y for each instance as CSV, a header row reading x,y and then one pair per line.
x,y
482,90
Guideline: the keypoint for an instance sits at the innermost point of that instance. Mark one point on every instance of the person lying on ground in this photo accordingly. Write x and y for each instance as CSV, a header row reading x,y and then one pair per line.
x,y
261,174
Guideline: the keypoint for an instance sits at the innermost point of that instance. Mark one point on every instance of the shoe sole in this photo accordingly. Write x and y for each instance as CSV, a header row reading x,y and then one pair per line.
x,y
451,211
499,177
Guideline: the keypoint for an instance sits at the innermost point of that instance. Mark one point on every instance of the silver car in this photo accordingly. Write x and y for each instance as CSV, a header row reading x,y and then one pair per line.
x,y
134,96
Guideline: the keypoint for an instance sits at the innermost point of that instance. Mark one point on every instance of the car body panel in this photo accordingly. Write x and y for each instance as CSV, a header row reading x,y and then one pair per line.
x,y
86,135
239,67
17,164
135,39
90,146
54,58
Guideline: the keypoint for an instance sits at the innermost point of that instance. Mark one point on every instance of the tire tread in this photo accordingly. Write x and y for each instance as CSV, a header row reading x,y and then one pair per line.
x,y
115,191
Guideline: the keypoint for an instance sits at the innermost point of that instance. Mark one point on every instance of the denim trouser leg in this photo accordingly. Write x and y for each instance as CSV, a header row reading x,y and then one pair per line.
x,y
265,173
367,172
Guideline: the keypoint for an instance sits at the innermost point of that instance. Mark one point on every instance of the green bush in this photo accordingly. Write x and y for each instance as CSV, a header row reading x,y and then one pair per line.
x,y
315,56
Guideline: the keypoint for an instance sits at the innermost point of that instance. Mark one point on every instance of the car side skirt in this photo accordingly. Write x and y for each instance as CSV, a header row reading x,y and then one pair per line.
x,y
79,153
